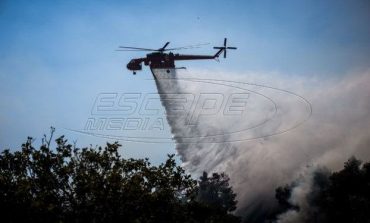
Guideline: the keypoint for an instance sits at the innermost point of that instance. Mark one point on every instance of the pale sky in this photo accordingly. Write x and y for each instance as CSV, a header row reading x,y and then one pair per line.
x,y
57,56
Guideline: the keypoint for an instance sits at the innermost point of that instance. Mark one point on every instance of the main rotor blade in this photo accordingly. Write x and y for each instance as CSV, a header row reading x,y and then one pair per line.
x,y
136,48
165,45
218,47
188,47
180,48
224,53
231,48
225,42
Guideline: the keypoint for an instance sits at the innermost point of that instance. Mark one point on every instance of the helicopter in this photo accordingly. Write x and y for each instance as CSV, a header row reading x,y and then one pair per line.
x,y
159,59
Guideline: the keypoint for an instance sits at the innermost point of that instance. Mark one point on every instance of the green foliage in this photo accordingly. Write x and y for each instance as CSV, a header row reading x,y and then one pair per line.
x,y
215,191
347,197
342,196
214,199
68,184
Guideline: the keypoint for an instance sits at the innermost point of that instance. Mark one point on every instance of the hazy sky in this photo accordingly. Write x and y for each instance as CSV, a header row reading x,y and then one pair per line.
x,y
57,56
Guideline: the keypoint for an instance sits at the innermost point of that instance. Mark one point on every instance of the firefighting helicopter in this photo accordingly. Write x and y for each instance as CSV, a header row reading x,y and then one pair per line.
x,y
162,60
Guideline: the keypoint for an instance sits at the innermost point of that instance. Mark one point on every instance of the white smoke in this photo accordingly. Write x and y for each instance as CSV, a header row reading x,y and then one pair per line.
x,y
275,153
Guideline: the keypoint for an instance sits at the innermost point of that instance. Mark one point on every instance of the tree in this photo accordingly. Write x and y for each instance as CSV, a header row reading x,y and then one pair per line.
x,y
216,192
68,184
342,196
215,199
347,197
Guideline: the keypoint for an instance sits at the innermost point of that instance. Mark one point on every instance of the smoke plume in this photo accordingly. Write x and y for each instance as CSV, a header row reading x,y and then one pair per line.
x,y
290,127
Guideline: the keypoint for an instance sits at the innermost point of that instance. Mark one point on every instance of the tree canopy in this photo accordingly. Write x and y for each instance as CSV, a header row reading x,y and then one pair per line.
x,y
68,184
342,196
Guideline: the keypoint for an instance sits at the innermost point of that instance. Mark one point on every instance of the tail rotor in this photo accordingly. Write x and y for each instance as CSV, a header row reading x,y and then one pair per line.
x,y
224,48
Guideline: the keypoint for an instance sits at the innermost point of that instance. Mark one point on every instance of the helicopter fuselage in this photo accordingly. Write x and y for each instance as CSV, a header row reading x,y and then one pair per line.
x,y
161,60
164,60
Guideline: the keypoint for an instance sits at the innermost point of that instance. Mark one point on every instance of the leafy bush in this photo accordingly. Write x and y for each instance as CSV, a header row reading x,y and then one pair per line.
x,y
68,184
